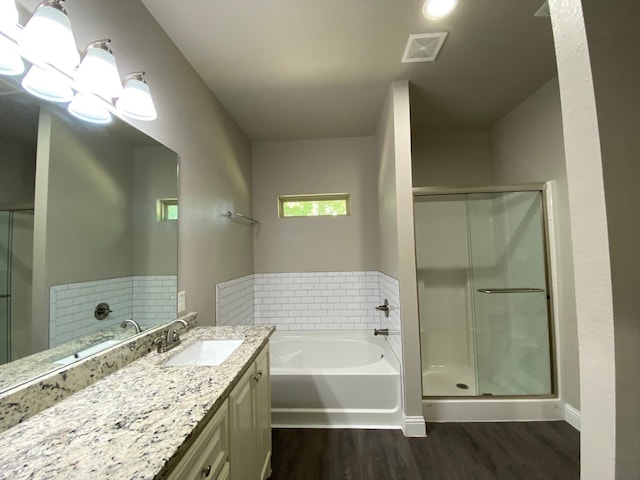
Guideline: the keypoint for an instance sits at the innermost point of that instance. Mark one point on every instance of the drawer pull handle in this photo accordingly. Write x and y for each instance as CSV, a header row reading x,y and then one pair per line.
x,y
206,471
257,376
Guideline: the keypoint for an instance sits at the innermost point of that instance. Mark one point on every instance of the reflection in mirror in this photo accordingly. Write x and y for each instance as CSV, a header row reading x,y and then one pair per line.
x,y
82,223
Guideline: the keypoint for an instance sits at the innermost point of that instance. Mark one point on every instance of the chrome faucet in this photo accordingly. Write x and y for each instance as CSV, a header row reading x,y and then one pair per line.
x,y
170,338
132,322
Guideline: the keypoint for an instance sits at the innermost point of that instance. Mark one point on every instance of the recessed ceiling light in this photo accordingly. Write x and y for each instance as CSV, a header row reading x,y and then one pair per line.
x,y
438,8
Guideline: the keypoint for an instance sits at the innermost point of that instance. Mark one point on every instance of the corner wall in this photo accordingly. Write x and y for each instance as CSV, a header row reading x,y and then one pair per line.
x,y
612,40
590,238
397,244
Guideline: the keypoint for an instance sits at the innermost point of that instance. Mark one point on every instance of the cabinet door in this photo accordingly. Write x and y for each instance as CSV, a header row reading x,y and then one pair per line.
x,y
207,457
263,412
243,454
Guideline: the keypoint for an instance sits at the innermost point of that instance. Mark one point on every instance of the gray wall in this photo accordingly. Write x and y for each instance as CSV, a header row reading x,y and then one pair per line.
x,y
215,155
613,40
21,281
155,243
315,244
450,158
527,147
89,226
17,172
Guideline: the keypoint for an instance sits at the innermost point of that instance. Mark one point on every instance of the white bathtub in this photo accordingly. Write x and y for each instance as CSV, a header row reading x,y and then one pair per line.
x,y
339,379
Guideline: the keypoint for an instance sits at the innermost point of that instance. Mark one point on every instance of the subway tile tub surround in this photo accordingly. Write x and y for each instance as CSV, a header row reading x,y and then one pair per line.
x,y
312,301
149,300
317,300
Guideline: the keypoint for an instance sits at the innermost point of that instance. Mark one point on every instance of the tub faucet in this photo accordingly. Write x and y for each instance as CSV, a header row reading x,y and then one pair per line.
x,y
380,331
132,322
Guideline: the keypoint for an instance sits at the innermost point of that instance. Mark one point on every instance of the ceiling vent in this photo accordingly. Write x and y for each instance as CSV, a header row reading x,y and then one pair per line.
x,y
423,47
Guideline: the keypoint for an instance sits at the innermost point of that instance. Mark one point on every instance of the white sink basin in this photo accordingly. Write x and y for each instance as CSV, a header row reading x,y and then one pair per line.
x,y
205,352
86,352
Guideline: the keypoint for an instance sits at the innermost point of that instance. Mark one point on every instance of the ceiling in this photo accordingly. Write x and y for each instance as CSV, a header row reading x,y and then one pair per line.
x,y
287,69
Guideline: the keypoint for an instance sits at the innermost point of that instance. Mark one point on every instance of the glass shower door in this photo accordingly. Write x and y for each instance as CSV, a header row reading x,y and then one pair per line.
x,y
509,293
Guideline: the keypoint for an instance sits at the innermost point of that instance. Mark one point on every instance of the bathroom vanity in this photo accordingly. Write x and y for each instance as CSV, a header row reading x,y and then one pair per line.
x,y
150,420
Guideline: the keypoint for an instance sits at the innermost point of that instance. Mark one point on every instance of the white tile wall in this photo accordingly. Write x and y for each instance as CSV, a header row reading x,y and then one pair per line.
x,y
317,300
154,299
389,288
149,300
235,301
72,306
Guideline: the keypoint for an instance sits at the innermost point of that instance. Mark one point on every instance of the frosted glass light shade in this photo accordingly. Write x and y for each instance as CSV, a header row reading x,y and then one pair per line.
x,y
438,8
47,36
136,101
98,74
89,108
47,84
8,13
10,62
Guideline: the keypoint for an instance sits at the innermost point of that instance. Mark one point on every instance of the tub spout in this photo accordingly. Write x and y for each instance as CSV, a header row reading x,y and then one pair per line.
x,y
380,331
135,324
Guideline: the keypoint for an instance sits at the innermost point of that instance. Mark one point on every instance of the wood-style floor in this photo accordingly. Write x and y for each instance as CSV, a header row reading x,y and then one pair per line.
x,y
451,451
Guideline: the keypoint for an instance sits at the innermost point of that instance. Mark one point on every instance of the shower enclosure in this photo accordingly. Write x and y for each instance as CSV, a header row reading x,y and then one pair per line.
x,y
16,267
483,292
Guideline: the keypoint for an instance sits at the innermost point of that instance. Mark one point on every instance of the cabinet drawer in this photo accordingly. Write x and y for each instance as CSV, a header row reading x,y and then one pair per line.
x,y
207,457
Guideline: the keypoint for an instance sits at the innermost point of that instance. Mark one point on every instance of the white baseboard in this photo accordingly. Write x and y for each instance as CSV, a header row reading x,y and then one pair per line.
x,y
414,426
572,416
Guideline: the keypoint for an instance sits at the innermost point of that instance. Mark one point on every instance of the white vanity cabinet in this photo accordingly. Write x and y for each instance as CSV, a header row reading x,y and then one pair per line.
x,y
236,443
250,422
208,457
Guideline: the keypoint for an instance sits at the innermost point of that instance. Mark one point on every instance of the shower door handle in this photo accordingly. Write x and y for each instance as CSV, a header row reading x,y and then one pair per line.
x,y
510,290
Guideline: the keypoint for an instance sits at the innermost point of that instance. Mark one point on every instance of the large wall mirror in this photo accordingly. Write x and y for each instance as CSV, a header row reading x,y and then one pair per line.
x,y
88,235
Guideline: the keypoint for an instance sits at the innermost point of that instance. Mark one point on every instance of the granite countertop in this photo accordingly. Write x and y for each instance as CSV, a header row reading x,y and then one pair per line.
x,y
24,369
134,424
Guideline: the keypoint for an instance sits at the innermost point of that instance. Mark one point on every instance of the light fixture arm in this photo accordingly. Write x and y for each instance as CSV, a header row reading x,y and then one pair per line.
x,y
57,4
104,44
134,76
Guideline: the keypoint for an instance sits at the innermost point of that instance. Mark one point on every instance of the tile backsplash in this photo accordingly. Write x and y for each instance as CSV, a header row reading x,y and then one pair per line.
x,y
150,300
317,300
390,289
235,301
310,301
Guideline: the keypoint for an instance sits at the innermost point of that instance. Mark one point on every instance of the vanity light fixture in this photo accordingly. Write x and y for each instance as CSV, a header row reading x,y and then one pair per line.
x,y
8,12
98,72
10,61
89,108
48,84
47,36
136,101
438,8
57,73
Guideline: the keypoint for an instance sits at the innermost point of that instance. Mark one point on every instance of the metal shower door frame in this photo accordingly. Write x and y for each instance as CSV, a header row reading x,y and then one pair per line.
x,y
527,187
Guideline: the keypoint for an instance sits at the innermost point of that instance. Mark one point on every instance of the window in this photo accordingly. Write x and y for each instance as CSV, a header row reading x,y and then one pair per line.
x,y
330,204
167,209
